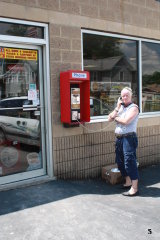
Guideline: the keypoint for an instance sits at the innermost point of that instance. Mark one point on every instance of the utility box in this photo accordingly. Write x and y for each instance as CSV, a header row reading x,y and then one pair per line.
x,y
75,97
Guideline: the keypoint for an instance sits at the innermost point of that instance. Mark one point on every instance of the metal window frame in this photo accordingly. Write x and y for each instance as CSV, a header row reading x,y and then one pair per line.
x,y
44,43
139,59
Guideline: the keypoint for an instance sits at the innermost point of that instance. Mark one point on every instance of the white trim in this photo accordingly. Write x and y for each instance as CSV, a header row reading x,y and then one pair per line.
x,y
82,49
25,46
150,114
98,117
42,171
119,36
139,58
26,182
105,119
42,113
140,74
48,108
22,176
25,40
98,120
11,20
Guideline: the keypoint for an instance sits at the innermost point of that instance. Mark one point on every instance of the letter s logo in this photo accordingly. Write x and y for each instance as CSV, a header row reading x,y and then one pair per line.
x,y
149,231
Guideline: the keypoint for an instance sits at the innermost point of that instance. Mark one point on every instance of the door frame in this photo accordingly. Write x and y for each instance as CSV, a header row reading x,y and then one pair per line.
x,y
44,74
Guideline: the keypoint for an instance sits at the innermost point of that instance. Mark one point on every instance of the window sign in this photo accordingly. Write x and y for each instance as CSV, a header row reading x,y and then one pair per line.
x,y
19,54
32,86
32,94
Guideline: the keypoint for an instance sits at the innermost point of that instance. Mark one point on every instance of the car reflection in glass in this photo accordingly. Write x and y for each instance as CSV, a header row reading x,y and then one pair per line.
x,y
17,123
98,107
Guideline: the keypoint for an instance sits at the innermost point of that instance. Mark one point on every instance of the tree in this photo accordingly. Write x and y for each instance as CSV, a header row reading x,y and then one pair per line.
x,y
96,46
17,30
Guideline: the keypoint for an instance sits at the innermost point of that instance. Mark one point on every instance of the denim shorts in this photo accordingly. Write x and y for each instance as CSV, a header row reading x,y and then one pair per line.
x,y
126,155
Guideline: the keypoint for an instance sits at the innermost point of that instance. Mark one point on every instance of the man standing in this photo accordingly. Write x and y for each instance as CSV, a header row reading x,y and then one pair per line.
x,y
126,117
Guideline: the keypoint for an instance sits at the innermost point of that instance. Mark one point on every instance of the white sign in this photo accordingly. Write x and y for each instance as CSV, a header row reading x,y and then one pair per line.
x,y
79,75
32,94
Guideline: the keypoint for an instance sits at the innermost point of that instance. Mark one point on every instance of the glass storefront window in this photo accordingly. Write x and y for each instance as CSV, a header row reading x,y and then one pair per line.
x,y
20,30
20,122
112,63
150,77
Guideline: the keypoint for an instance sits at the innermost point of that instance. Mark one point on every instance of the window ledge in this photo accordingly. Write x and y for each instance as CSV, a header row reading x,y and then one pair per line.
x,y
105,119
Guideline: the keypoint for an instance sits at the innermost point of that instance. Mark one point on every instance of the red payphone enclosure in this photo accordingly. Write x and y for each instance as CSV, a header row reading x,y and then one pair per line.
x,y
80,79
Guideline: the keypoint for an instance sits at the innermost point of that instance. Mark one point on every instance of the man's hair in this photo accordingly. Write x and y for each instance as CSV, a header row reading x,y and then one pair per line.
x,y
127,88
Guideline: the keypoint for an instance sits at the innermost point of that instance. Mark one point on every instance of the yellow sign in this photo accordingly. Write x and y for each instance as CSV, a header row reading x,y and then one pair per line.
x,y
19,54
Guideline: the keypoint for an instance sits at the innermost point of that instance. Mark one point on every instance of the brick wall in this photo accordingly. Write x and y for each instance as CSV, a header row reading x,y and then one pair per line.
x,y
65,54
144,13
82,156
149,145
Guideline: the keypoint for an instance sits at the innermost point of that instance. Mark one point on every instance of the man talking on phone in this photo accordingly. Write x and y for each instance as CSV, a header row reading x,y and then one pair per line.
x,y
126,117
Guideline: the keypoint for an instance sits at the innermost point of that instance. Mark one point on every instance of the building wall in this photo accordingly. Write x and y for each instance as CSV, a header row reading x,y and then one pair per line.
x,y
82,156
82,151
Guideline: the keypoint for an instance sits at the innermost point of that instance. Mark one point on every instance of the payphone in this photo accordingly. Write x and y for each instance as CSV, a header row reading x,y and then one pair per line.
x,y
75,97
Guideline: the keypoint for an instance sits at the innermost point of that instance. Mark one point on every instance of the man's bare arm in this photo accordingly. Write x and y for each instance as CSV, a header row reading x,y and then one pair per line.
x,y
131,114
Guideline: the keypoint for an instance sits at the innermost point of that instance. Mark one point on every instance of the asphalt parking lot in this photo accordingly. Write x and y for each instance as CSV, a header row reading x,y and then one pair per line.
x,y
82,210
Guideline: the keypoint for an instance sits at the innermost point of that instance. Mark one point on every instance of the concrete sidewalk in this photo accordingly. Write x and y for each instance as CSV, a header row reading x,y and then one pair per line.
x,y
82,210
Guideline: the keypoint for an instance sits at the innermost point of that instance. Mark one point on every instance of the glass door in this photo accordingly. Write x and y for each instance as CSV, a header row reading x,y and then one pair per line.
x,y
22,140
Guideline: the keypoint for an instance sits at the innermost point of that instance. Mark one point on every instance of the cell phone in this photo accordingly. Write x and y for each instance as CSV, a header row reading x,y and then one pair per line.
x,y
122,102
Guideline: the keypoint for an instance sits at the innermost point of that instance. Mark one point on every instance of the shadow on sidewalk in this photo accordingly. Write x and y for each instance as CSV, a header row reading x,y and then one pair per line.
x,y
149,177
23,198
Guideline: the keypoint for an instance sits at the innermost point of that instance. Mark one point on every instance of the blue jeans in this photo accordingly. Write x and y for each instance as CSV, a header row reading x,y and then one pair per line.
x,y
126,156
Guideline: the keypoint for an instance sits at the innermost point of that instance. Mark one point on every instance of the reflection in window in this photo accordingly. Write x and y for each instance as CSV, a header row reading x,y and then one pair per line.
x,y
150,77
112,63
18,69
121,76
21,30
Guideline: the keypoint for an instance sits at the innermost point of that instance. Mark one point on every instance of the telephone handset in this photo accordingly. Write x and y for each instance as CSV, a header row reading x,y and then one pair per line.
x,y
122,102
